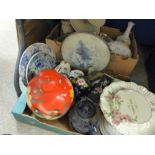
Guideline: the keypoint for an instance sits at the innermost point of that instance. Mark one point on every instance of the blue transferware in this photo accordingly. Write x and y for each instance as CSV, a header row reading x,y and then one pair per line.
x,y
28,53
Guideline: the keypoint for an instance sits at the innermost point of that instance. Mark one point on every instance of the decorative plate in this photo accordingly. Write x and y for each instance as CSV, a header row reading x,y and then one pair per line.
x,y
85,51
38,62
97,22
119,48
28,53
82,25
129,108
84,118
86,108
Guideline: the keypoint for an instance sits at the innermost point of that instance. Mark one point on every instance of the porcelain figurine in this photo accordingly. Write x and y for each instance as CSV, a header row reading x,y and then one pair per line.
x,y
81,86
63,68
117,47
125,37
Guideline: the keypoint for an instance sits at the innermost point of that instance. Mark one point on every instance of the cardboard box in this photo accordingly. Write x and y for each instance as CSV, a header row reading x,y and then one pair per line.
x,y
53,43
22,113
118,64
61,126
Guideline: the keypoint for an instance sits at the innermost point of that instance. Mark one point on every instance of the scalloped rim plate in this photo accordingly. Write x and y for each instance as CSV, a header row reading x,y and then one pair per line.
x,y
129,108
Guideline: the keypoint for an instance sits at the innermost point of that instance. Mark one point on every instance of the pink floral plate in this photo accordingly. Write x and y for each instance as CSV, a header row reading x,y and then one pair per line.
x,y
129,108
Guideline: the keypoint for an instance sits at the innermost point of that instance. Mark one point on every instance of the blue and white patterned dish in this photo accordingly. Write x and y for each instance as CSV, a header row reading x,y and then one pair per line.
x,y
38,62
85,51
28,53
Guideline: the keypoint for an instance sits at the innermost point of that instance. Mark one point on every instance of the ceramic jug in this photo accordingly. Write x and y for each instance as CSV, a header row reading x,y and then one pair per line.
x,y
125,36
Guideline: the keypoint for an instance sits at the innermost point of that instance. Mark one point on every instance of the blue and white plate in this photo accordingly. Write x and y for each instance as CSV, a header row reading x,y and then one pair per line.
x,y
28,53
38,62
85,51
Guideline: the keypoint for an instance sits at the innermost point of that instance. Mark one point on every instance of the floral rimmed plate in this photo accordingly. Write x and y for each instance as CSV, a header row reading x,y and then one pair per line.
x,y
38,62
129,108
26,56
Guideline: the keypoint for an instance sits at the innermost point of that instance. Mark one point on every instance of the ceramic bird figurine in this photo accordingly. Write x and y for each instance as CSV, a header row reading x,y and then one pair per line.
x,y
125,36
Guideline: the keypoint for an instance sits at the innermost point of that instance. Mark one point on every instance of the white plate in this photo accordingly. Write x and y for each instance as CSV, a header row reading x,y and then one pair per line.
x,y
129,108
81,25
38,62
85,51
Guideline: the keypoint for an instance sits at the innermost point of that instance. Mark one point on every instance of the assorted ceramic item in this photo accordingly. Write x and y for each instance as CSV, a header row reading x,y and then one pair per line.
x,y
26,56
126,108
117,47
125,38
83,117
63,68
98,87
49,94
85,51
83,25
81,86
122,43
38,62
105,37
76,73
123,104
66,26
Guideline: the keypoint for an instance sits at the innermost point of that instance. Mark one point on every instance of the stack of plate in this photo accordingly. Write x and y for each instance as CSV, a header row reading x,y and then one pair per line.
x,y
127,109
35,58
